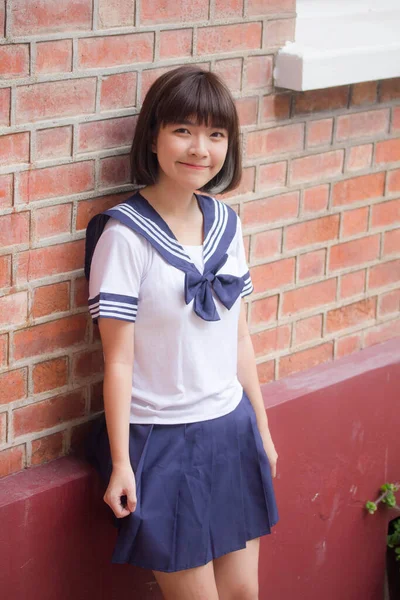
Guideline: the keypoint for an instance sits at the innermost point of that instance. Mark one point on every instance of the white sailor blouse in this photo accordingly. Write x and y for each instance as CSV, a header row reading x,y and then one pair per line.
x,y
185,306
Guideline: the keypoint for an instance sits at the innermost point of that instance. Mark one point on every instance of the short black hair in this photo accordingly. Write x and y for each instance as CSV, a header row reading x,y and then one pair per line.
x,y
176,96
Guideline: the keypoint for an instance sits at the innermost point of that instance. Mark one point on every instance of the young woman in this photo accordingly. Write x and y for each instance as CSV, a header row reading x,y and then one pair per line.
x,y
184,447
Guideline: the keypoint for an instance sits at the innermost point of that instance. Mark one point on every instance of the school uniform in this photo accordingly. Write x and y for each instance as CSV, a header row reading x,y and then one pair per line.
x,y
203,479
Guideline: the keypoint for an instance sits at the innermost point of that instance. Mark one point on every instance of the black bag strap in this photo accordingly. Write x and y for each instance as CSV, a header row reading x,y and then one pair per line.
x,y
93,232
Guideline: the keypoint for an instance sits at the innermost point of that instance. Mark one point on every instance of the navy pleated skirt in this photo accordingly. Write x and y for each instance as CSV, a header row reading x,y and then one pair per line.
x,y
203,489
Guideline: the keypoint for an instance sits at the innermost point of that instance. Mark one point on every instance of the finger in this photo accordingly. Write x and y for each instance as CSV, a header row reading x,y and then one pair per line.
x,y
131,501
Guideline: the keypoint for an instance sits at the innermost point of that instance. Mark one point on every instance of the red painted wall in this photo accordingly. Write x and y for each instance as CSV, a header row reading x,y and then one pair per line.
x,y
336,429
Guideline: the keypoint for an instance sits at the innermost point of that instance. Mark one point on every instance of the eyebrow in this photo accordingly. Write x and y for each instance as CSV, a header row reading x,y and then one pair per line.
x,y
188,122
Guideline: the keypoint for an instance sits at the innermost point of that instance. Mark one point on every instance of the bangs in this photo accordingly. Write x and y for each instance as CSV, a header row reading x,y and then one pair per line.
x,y
200,97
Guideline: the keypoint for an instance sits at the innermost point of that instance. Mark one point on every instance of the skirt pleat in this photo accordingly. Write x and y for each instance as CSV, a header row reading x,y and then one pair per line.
x,y
203,490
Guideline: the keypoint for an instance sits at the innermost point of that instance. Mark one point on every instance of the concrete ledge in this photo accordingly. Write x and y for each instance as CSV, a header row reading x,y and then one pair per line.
x,y
336,430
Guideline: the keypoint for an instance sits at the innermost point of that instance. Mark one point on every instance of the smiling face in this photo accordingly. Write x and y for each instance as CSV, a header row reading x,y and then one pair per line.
x,y
190,154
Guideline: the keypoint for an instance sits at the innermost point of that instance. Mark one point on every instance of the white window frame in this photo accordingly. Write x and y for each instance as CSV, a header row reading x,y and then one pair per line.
x,y
338,42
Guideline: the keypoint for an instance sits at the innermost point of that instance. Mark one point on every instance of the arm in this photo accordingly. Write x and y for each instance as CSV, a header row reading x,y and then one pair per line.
x,y
117,339
248,377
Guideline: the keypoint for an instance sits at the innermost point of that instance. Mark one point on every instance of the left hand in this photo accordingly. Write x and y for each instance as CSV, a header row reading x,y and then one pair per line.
x,y
270,450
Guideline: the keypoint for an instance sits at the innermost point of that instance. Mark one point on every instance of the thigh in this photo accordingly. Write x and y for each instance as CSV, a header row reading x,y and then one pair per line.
x,y
190,584
236,573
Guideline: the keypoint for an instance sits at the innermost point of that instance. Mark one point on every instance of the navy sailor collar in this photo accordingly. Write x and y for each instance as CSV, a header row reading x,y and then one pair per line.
x,y
220,225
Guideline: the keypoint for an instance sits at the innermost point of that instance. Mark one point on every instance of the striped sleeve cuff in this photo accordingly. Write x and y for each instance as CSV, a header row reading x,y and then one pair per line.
x,y
247,285
113,306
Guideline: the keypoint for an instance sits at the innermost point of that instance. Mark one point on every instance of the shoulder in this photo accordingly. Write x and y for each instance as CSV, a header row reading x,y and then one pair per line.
x,y
117,232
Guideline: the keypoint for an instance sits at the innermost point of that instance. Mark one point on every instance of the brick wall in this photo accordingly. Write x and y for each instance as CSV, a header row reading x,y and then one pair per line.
x,y
319,200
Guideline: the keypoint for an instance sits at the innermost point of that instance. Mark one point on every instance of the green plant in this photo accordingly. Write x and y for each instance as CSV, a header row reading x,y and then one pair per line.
x,y
388,497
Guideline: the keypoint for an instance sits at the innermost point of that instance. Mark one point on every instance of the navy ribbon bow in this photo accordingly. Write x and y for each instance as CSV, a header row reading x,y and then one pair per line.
x,y
199,287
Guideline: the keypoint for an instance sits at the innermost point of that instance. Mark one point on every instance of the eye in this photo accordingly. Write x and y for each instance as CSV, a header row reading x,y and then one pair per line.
x,y
181,130
218,134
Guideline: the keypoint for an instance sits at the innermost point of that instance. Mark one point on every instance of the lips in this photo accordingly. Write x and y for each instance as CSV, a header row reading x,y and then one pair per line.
x,y
192,166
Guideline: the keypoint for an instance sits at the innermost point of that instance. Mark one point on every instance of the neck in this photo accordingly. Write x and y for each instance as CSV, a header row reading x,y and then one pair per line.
x,y
169,198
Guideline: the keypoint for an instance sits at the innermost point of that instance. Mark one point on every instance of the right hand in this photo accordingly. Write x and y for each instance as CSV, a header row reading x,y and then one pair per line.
x,y
122,483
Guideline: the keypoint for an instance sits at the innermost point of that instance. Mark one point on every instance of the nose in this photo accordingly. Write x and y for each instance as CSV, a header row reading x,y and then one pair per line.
x,y
199,146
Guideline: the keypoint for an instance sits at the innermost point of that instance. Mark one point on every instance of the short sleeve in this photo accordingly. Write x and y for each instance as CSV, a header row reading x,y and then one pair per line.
x,y
244,272
115,274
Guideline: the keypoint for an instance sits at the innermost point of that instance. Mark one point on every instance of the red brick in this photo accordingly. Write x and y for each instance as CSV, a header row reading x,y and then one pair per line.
x,y
14,61
49,337
305,359
388,151
55,99
278,140
51,16
51,221
311,264
115,170
246,185
358,189
319,132
352,284
13,309
354,222
357,125
264,311
115,14
384,274
118,91
347,345
14,229
3,428
230,71
395,119
389,303
47,448
386,213
50,299
87,364
5,98
258,72
14,148
12,460
364,93
247,110
176,43
316,231
357,252
228,38
54,143
49,413
228,8
96,397
3,350
54,57
111,133
359,157
50,260
88,208
114,50
315,199
353,314
149,77
391,242
382,333
266,7
309,296
273,275
5,271
63,180
164,11
272,176
308,330
390,89
319,100
275,107
6,190
317,166
50,374
13,386
2,17
393,181
81,292
271,340
268,210
267,244
266,371
280,31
